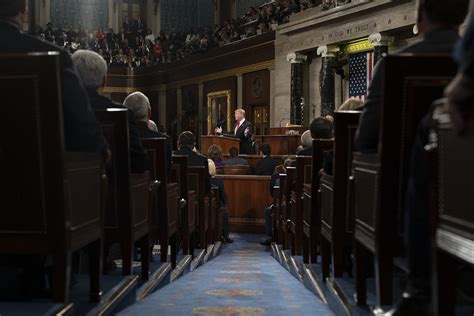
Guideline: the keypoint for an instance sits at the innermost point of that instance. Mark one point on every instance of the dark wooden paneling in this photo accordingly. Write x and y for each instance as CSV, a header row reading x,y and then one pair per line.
x,y
256,98
190,108
251,94
248,196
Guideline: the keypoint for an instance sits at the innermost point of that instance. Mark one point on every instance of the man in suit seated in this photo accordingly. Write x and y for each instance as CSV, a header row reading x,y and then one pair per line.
x,y
234,159
438,21
92,70
242,130
266,166
186,144
81,129
139,104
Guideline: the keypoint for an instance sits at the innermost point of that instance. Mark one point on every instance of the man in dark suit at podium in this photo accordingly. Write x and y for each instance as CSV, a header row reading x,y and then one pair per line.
x,y
243,131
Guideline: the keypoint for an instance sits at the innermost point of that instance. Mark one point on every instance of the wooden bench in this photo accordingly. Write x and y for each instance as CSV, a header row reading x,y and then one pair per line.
x,y
311,201
236,170
281,212
197,182
451,184
51,202
164,204
188,207
289,238
337,198
302,176
410,85
127,216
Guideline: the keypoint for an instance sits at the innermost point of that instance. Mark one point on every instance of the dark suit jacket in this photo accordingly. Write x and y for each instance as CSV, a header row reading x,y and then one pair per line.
x,y
436,42
305,152
236,162
138,159
219,183
246,147
196,160
145,132
265,167
81,129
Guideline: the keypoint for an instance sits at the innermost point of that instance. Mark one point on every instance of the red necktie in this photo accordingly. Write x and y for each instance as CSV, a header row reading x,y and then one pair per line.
x,y
237,128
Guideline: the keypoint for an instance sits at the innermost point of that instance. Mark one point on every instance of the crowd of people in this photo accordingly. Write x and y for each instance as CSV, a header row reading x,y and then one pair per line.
x,y
136,46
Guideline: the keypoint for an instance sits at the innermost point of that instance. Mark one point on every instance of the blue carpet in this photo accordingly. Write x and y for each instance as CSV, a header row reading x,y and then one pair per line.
x,y
243,280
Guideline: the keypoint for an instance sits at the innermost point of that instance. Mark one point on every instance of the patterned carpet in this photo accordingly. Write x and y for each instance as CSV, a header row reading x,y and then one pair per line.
x,y
243,280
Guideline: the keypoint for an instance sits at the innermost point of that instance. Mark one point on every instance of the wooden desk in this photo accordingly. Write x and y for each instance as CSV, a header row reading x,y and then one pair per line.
x,y
224,142
247,198
280,144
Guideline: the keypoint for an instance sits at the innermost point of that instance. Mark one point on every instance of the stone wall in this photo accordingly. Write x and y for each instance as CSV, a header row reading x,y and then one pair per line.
x,y
334,28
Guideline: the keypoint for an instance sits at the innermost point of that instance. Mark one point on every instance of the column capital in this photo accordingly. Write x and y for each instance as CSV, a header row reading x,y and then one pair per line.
x,y
327,51
377,39
296,58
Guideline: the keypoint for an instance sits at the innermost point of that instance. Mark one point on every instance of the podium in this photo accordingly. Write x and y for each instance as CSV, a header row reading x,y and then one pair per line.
x,y
224,142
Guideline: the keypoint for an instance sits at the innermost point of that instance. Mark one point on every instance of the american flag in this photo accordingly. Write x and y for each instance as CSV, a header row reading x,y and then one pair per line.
x,y
361,66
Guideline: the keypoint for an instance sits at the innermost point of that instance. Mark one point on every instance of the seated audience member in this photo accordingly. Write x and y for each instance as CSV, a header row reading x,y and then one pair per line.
x,y
234,159
306,144
352,105
215,154
186,145
92,70
438,21
460,101
139,104
266,166
81,130
275,181
219,183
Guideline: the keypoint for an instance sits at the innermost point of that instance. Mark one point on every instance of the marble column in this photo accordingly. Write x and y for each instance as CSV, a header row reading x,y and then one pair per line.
x,y
380,43
296,104
240,91
326,80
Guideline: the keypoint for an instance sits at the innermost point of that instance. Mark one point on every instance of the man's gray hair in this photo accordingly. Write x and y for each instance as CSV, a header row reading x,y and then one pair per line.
x,y
91,68
139,104
306,139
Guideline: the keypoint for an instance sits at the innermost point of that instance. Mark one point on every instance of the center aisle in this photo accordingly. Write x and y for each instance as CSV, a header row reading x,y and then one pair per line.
x,y
243,280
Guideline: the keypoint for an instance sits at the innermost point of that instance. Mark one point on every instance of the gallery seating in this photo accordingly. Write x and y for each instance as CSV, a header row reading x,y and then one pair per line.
x,y
188,209
302,176
164,204
311,200
337,198
127,216
449,157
